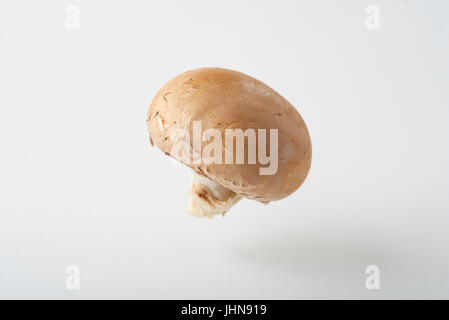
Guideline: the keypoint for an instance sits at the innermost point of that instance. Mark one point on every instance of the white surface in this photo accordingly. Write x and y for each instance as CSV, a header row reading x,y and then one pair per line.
x,y
80,185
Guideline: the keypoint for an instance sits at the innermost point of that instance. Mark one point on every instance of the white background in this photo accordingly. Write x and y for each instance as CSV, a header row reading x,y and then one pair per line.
x,y
80,185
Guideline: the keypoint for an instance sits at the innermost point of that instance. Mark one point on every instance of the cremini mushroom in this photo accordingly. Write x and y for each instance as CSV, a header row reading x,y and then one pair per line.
x,y
239,136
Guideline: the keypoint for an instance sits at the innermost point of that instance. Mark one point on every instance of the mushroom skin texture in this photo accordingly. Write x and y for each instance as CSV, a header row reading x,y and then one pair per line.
x,y
226,99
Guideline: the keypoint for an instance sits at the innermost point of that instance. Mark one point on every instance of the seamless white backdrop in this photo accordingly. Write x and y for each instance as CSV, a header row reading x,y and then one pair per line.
x,y
80,185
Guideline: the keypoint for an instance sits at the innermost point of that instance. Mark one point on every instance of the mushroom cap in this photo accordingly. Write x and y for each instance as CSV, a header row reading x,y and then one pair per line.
x,y
226,99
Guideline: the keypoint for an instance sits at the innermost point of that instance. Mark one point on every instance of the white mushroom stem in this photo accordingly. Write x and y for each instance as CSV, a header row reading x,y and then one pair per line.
x,y
208,198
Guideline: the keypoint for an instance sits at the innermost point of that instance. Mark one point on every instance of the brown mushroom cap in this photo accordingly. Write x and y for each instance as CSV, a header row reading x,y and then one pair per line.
x,y
226,99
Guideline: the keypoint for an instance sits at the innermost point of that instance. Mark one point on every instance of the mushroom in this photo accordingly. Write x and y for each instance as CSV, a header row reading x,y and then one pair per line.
x,y
198,118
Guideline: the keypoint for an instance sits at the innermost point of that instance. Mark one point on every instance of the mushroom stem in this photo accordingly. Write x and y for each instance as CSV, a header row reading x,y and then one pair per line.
x,y
208,198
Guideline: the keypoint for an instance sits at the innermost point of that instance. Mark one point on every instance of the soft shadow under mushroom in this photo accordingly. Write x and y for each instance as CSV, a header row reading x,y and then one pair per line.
x,y
316,254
